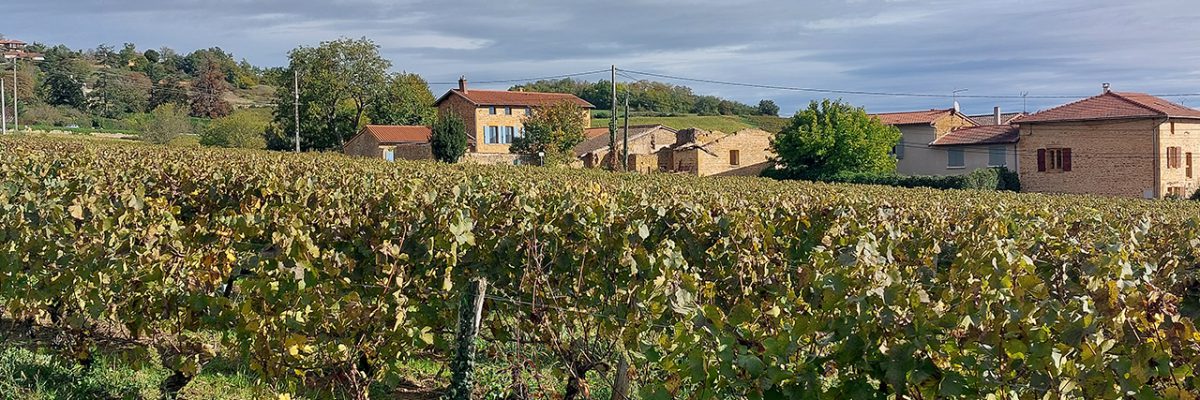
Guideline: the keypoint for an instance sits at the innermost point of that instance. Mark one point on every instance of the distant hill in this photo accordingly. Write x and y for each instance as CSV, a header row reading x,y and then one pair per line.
x,y
647,97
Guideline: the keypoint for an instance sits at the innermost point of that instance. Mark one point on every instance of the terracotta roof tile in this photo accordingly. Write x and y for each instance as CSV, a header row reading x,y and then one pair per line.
x,y
388,134
1112,105
519,99
10,41
976,135
912,117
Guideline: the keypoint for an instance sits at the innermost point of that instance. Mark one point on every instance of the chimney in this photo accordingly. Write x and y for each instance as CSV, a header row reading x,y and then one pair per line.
x,y
996,114
462,83
1106,86
956,108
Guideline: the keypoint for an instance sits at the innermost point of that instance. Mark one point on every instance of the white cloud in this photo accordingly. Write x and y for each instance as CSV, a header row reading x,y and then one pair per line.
x,y
881,19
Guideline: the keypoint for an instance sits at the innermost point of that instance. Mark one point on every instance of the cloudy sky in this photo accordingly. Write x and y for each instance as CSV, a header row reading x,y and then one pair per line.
x,y
992,48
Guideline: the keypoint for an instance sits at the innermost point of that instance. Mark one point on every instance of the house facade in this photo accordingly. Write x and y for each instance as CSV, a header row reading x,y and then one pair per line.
x,y
972,148
699,152
1115,144
918,129
493,118
391,142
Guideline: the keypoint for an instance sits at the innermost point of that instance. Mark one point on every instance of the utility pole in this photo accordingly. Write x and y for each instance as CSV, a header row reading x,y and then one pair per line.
x,y
612,124
16,123
3,109
296,104
625,146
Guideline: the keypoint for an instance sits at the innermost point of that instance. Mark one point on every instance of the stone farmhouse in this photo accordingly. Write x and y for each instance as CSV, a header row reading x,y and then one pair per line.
x,y
391,142
493,118
645,142
1117,144
656,148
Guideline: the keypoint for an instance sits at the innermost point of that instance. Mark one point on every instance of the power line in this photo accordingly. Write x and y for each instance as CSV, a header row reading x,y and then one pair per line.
x,y
872,93
571,75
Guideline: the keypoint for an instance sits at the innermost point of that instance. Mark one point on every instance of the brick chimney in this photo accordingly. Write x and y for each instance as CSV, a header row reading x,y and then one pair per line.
x,y
462,83
996,114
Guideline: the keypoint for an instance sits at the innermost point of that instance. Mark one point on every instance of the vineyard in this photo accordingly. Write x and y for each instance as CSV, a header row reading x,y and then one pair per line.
x,y
331,274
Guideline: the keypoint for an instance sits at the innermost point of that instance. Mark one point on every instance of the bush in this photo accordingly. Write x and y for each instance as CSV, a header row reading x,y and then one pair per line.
x,y
43,114
242,129
980,179
166,123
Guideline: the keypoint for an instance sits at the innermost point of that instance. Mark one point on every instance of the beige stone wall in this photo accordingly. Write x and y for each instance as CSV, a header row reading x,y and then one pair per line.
x,y
1185,135
754,152
363,146
951,122
645,145
485,119
1112,158
492,158
457,105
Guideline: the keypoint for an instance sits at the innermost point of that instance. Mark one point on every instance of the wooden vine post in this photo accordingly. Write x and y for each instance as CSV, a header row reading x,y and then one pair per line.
x,y
462,367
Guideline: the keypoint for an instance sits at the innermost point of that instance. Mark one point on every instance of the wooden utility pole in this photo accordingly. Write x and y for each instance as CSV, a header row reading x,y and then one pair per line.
x,y
462,367
625,146
612,124
296,104
3,108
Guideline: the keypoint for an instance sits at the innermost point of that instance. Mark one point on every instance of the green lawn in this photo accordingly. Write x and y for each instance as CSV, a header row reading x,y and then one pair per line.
x,y
723,123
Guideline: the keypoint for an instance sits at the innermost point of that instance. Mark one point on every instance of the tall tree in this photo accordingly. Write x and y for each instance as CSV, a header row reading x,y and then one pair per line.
x,y
768,107
119,92
830,137
449,138
208,91
242,129
553,131
405,101
339,81
62,88
170,90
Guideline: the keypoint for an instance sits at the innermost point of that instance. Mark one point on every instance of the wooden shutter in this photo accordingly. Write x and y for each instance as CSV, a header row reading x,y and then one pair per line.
x,y
1189,164
1041,160
1066,155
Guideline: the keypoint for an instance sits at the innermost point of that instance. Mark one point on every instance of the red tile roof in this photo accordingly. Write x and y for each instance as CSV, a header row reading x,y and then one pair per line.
x,y
519,99
913,117
593,132
976,135
389,134
10,41
1112,105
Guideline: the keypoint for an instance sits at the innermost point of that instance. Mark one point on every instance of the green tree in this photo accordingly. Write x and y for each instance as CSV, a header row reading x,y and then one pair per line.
x,y
706,105
208,91
169,91
449,138
241,129
339,81
62,88
166,123
406,101
553,130
120,92
768,107
831,137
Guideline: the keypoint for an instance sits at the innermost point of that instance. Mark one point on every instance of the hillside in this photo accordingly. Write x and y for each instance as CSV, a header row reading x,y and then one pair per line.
x,y
723,123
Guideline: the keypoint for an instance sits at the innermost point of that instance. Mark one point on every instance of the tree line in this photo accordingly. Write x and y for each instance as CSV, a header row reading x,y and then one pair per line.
x,y
650,97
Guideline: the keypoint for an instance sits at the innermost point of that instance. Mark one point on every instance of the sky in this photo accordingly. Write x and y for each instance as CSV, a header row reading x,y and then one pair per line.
x,y
1042,48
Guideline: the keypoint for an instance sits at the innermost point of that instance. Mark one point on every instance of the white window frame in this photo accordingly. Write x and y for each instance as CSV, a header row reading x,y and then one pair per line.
x,y
488,137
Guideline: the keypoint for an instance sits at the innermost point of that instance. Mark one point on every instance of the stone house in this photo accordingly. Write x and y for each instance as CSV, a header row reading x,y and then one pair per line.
x,y
390,142
493,118
1116,144
699,152
918,129
645,141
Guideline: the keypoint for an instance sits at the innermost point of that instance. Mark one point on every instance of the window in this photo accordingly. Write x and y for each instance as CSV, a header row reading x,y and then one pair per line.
x,y
735,157
492,135
1175,192
898,150
509,133
389,154
1173,157
528,111
507,110
492,110
1188,161
997,156
955,159
1054,160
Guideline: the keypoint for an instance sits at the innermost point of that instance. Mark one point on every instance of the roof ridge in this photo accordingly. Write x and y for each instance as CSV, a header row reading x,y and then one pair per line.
x,y
1138,103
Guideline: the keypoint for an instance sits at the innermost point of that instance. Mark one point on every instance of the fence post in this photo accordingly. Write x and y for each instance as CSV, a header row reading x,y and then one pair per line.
x,y
470,311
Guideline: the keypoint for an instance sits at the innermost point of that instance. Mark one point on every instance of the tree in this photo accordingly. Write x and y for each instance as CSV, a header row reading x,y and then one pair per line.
x,y
166,123
208,89
241,129
62,88
449,138
119,92
339,82
406,101
768,107
831,137
553,130
706,105
169,91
